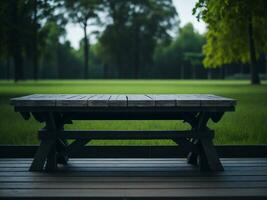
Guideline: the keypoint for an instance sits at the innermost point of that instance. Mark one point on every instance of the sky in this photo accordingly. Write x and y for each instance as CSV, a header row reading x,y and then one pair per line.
x,y
183,7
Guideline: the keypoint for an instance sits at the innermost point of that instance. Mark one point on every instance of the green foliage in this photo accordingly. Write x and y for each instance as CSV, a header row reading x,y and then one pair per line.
x,y
21,36
83,10
85,13
189,39
227,36
133,31
184,50
133,44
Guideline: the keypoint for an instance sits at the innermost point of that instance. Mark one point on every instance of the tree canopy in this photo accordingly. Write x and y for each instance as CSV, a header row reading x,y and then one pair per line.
x,y
236,32
85,13
135,39
138,26
182,55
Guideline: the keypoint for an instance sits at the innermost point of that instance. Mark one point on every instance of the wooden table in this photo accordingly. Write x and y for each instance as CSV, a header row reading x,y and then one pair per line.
x,y
56,110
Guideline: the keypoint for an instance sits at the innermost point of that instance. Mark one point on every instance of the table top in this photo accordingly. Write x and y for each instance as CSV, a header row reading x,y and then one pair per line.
x,y
123,100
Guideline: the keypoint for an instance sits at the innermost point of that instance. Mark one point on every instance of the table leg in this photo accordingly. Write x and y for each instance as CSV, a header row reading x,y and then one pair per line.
x,y
62,154
51,163
41,155
192,156
52,150
208,158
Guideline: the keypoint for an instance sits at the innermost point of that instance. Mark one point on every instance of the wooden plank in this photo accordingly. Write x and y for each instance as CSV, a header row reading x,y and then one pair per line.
x,y
99,100
118,101
163,100
19,164
73,100
133,185
121,163
121,134
35,100
165,173
136,164
182,193
187,100
129,169
205,100
89,166
20,101
46,178
99,161
230,162
213,100
176,160
140,101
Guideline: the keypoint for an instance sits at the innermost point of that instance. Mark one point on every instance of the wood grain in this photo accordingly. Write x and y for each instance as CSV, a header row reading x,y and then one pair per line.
x,y
140,178
119,100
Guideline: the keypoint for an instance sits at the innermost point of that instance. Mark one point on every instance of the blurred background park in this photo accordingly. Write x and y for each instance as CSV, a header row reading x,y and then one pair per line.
x,y
136,46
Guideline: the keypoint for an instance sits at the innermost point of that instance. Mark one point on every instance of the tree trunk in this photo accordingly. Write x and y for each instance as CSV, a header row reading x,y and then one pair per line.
x,y
222,73
8,68
120,69
255,80
182,71
58,61
209,74
18,64
14,39
86,53
136,52
105,71
265,62
35,42
194,71
242,71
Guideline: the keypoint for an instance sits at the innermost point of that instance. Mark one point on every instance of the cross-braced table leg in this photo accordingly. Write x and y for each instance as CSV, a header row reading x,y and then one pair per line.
x,y
192,156
206,157
41,155
52,150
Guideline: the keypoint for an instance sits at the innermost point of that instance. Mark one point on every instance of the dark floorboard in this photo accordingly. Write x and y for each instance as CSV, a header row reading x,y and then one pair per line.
x,y
243,178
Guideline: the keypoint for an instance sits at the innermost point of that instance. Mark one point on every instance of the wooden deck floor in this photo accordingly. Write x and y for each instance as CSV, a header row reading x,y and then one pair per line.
x,y
243,178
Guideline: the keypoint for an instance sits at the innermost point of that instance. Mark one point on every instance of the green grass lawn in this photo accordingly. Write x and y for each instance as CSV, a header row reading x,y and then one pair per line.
x,y
247,125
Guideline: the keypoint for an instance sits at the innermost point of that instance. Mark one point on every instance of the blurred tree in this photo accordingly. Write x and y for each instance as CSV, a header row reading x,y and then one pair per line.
x,y
21,22
5,53
115,38
85,13
51,47
191,43
184,53
58,59
133,31
194,59
236,32
40,11
15,21
189,40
